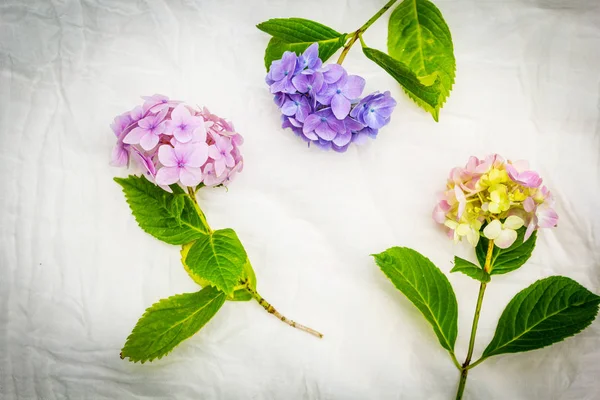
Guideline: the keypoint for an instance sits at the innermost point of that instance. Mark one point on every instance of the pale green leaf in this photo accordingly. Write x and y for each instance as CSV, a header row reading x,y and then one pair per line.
x,y
218,258
428,94
546,312
506,260
170,217
419,37
426,287
239,292
169,322
296,34
470,269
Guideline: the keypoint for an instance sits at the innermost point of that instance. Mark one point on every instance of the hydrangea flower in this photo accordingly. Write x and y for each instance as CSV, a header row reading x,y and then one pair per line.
x,y
322,104
174,143
499,195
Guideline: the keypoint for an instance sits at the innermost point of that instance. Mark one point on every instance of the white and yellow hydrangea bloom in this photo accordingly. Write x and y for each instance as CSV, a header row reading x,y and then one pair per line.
x,y
501,195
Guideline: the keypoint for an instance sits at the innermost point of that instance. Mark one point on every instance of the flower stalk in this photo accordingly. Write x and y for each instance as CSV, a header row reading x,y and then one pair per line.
x,y
271,310
357,33
464,371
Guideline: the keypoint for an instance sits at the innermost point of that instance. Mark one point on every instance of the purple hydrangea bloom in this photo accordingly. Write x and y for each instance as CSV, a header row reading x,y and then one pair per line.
x,y
374,110
321,103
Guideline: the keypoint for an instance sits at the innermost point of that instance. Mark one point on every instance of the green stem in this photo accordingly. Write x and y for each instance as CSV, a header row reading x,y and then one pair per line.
x,y
465,367
357,33
271,310
192,194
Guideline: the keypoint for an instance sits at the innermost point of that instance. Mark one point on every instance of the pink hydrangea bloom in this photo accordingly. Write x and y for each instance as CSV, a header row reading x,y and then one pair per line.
x,y
497,194
174,143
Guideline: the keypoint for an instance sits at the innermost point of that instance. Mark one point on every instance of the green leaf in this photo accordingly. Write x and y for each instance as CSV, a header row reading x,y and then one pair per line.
x,y
419,37
470,269
170,217
426,287
239,293
296,34
426,90
218,258
169,322
546,312
506,260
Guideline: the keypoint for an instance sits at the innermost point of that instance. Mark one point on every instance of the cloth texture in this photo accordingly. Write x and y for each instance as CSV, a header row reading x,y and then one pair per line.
x,y
76,272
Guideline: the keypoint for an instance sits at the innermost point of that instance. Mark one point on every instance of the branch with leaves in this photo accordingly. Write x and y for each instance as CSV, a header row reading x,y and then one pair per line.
x,y
321,103
181,150
497,205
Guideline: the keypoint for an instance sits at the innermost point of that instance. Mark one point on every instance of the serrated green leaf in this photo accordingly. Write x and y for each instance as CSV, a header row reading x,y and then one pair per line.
x,y
419,37
296,34
546,312
169,322
470,269
170,217
506,260
218,258
426,287
428,94
239,292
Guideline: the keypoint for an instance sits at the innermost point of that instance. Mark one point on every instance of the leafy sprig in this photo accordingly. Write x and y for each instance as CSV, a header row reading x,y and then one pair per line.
x,y
214,259
420,53
546,312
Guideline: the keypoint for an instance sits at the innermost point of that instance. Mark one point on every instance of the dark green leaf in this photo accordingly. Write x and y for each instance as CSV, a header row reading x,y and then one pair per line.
x,y
426,287
470,269
419,37
170,217
427,94
296,34
507,260
219,259
546,312
169,322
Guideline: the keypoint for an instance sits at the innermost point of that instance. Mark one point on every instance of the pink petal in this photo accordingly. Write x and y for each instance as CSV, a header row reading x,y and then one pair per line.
x,y
149,141
213,152
529,204
180,113
530,179
197,156
167,156
512,172
521,165
530,229
167,175
134,136
219,167
462,200
190,176
199,134
120,156
439,215
547,217
183,136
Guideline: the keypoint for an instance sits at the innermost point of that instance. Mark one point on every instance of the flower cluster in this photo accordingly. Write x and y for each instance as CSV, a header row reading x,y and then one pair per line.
x,y
501,194
175,143
321,103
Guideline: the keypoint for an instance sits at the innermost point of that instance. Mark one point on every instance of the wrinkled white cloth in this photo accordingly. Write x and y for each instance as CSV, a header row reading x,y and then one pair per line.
x,y
76,272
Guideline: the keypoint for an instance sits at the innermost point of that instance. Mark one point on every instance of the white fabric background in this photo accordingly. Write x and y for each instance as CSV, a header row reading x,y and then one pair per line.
x,y
77,272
